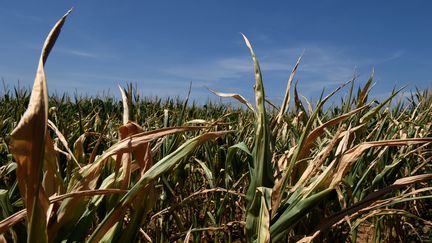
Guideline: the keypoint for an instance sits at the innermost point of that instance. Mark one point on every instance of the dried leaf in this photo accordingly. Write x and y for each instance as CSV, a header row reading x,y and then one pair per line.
x,y
27,145
161,167
188,235
10,221
285,103
320,130
238,97
351,156
363,204
316,163
125,106
365,91
412,179
125,159
63,141
52,181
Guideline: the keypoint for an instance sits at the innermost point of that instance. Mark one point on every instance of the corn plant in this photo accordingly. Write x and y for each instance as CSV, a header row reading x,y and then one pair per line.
x,y
306,180
53,207
97,169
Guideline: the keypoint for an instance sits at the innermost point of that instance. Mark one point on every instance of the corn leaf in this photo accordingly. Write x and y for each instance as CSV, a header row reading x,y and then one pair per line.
x,y
293,213
261,170
351,156
157,170
285,103
362,98
238,97
258,217
71,209
27,146
125,106
371,198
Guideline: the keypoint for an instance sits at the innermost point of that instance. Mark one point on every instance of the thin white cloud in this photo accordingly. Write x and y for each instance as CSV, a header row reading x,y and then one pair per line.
x,y
322,67
210,72
69,51
27,17
319,66
79,53
393,56
235,64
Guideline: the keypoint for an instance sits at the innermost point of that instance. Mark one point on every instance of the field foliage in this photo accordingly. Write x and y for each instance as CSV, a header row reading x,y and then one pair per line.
x,y
97,169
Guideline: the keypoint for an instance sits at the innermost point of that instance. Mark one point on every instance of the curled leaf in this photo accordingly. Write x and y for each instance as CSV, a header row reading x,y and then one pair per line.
x,y
27,145
236,96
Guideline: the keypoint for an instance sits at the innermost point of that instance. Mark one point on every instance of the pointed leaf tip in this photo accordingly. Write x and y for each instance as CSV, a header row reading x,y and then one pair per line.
x,y
248,44
52,37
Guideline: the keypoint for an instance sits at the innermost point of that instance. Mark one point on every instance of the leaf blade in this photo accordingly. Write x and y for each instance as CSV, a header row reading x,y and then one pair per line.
x,y
27,145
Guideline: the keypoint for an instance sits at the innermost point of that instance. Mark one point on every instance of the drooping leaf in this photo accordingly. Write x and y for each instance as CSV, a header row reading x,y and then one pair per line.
x,y
366,117
238,97
351,156
164,165
300,147
371,198
208,173
70,209
63,141
20,215
293,213
314,134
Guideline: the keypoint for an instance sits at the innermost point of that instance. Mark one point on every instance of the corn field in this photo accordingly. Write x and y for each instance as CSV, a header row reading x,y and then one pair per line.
x,y
95,169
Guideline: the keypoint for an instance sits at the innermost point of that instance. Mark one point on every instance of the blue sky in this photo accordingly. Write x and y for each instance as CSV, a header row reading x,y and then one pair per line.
x,y
163,45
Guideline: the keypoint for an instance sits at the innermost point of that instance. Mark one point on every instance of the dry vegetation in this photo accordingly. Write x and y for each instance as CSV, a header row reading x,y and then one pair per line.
x,y
94,169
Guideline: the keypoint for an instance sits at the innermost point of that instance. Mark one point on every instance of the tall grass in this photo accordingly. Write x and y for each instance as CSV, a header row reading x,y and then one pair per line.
x,y
98,169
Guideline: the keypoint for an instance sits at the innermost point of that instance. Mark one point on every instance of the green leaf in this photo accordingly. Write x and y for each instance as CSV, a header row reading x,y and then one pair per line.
x,y
293,213
157,170
258,217
261,170
207,172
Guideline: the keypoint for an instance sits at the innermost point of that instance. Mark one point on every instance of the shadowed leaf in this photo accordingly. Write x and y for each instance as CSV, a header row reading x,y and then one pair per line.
x,y
161,167
371,198
27,145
